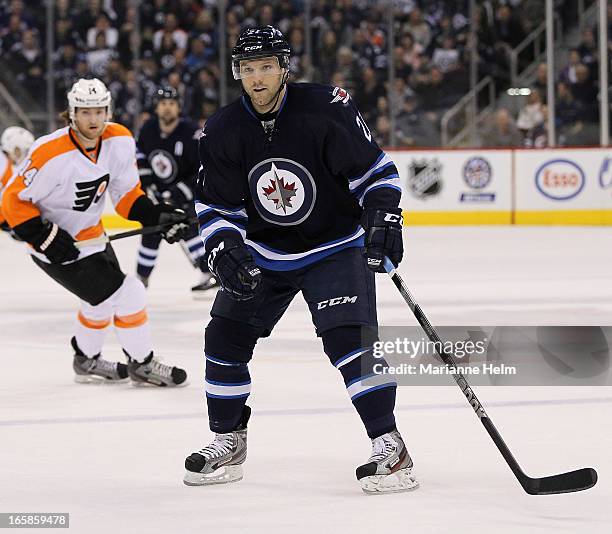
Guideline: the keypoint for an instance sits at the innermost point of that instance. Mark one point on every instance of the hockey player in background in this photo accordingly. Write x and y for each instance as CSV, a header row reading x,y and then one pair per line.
x,y
295,196
167,153
14,144
56,198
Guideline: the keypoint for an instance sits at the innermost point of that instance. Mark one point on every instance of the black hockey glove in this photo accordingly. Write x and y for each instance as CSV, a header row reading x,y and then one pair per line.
x,y
231,262
55,243
168,215
149,214
383,237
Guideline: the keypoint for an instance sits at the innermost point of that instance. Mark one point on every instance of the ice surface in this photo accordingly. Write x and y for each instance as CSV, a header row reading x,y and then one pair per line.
x,y
112,456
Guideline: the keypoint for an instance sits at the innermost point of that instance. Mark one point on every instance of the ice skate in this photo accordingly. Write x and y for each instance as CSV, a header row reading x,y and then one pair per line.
x,y
202,290
389,468
153,372
221,461
96,370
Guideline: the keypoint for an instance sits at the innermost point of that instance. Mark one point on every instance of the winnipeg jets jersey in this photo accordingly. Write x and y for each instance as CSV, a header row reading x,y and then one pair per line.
x,y
6,171
62,182
292,189
169,160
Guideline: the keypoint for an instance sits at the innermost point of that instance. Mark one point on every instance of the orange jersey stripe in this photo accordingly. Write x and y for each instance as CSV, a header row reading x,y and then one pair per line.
x,y
93,323
124,206
131,321
15,210
91,232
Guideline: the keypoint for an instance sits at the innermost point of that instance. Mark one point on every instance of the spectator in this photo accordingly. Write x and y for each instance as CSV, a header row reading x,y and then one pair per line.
x,y
588,47
541,81
345,65
568,74
531,114
367,93
102,26
177,35
585,93
503,132
198,57
412,49
446,58
29,64
414,128
435,94
537,135
418,28
99,56
567,110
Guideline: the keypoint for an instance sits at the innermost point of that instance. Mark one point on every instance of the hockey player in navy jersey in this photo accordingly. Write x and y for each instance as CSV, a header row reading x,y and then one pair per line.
x,y
167,152
294,196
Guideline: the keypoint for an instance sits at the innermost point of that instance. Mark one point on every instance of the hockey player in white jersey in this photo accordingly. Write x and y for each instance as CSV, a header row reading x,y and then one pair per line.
x,y
14,144
55,199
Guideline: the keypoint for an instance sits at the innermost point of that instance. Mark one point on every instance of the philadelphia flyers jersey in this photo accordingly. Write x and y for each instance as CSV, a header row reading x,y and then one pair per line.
x,y
62,182
168,159
292,186
6,171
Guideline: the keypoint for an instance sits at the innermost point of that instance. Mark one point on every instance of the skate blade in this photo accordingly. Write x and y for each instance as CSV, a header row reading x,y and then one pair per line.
x,y
98,380
138,384
402,480
223,475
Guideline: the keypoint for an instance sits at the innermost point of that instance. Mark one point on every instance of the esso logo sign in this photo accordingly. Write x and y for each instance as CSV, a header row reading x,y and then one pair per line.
x,y
560,179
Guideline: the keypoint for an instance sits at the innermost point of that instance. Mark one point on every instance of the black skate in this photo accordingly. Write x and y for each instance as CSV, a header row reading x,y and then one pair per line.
x,y
96,370
221,461
389,468
152,372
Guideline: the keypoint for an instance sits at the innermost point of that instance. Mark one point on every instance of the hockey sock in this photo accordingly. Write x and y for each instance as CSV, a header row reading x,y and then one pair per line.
x,y
372,393
228,347
147,254
130,319
91,327
228,385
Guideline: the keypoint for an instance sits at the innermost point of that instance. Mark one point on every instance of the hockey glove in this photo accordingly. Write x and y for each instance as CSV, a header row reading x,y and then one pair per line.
x,y
231,262
177,221
383,237
56,244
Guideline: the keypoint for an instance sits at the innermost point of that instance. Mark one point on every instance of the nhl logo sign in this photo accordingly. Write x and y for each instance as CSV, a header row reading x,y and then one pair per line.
x,y
424,178
282,190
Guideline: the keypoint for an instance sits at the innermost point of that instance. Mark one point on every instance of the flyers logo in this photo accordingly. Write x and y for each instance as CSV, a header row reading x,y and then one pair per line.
x,y
89,193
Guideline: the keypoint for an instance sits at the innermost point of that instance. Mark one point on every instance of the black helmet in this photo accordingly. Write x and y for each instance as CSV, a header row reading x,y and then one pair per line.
x,y
259,42
166,93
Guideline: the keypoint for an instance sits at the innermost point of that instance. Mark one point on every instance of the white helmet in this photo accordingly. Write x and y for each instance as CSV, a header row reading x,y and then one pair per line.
x,y
16,139
88,94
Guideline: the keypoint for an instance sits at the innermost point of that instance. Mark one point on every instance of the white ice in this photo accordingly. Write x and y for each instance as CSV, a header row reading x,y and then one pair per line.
x,y
113,456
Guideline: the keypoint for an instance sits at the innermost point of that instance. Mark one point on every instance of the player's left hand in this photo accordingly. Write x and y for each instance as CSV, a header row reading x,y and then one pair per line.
x,y
383,237
177,221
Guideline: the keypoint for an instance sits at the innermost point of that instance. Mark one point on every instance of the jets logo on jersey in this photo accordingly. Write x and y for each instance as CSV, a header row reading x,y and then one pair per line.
x,y
163,165
340,95
282,190
89,193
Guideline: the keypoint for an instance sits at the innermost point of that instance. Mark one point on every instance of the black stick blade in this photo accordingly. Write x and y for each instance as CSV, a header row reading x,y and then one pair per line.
x,y
578,480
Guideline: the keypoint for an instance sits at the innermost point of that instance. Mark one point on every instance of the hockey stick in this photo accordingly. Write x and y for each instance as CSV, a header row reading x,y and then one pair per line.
x,y
138,231
578,480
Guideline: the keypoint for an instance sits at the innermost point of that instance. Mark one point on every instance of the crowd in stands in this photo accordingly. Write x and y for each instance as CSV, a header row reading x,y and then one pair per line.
x,y
134,50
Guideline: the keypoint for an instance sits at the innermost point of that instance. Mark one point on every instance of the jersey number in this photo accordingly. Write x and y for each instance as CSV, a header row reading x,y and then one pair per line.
x,y
364,128
89,193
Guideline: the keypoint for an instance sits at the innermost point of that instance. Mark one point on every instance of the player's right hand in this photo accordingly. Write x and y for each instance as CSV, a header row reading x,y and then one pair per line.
x,y
232,264
55,243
